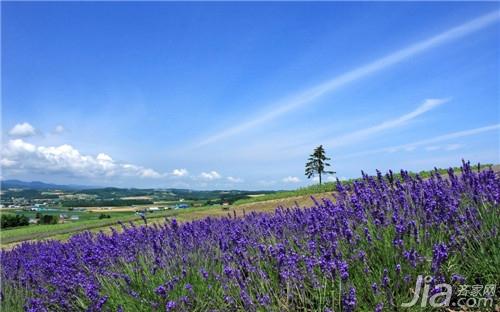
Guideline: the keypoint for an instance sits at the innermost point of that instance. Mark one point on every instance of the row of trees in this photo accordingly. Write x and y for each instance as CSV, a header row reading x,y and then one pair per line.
x,y
105,202
11,220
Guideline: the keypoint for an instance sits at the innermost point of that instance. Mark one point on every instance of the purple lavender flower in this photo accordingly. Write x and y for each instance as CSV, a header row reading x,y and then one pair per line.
x,y
291,248
349,300
398,268
171,305
385,279
161,290
440,254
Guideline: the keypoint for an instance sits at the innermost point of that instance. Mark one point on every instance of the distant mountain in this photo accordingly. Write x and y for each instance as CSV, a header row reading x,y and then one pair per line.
x,y
37,185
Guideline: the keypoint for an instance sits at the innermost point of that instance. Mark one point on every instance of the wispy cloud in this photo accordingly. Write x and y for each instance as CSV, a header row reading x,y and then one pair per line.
x,y
234,179
427,142
453,147
59,129
302,144
358,135
432,148
308,96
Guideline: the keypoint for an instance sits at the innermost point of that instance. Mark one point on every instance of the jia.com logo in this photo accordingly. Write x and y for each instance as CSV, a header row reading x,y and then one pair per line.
x,y
469,296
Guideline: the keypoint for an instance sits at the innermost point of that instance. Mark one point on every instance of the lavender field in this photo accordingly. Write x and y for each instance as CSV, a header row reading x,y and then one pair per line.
x,y
361,252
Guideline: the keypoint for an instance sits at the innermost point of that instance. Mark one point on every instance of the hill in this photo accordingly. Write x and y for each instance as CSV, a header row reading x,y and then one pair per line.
x,y
38,185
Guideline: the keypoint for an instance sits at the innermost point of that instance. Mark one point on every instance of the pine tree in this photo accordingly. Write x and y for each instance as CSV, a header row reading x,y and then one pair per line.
x,y
317,163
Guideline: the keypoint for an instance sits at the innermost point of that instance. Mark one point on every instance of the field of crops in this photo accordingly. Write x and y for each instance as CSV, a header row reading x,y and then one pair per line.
x,y
362,251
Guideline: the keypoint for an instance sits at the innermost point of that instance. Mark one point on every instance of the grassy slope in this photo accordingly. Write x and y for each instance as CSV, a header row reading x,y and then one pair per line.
x,y
329,187
12,237
266,203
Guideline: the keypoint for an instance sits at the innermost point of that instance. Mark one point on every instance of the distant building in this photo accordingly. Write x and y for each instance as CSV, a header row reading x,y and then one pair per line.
x,y
74,218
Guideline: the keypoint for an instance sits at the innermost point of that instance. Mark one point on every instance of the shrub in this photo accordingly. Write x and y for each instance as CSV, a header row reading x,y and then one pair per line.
x,y
10,220
49,219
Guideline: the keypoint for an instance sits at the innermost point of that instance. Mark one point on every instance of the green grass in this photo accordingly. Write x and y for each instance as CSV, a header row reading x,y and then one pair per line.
x,y
64,230
90,221
308,190
83,215
330,187
40,231
477,263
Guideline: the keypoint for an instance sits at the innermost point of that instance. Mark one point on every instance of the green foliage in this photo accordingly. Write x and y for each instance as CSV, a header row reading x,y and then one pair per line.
x,y
331,186
115,192
9,220
28,194
477,264
104,216
49,219
110,202
317,163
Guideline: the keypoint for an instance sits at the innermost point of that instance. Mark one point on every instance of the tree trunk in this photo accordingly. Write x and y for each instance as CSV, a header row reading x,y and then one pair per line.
x,y
320,178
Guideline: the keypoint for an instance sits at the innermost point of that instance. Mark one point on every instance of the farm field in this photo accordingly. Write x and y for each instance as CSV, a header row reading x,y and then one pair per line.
x,y
257,203
361,251
12,237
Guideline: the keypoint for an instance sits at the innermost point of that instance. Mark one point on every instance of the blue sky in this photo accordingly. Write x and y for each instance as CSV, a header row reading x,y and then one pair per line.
x,y
236,95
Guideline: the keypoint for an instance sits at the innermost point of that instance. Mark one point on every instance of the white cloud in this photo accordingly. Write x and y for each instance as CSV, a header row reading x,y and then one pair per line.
x,y
452,147
432,148
266,182
22,130
59,129
211,175
293,102
179,172
291,179
265,150
4,162
65,159
149,173
437,139
361,134
327,178
18,146
234,179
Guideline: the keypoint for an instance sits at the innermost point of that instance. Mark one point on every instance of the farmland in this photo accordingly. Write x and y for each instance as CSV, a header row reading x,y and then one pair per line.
x,y
202,204
97,209
362,250
12,237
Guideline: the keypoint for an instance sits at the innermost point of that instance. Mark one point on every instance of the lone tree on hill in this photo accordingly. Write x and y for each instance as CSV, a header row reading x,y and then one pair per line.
x,y
316,164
